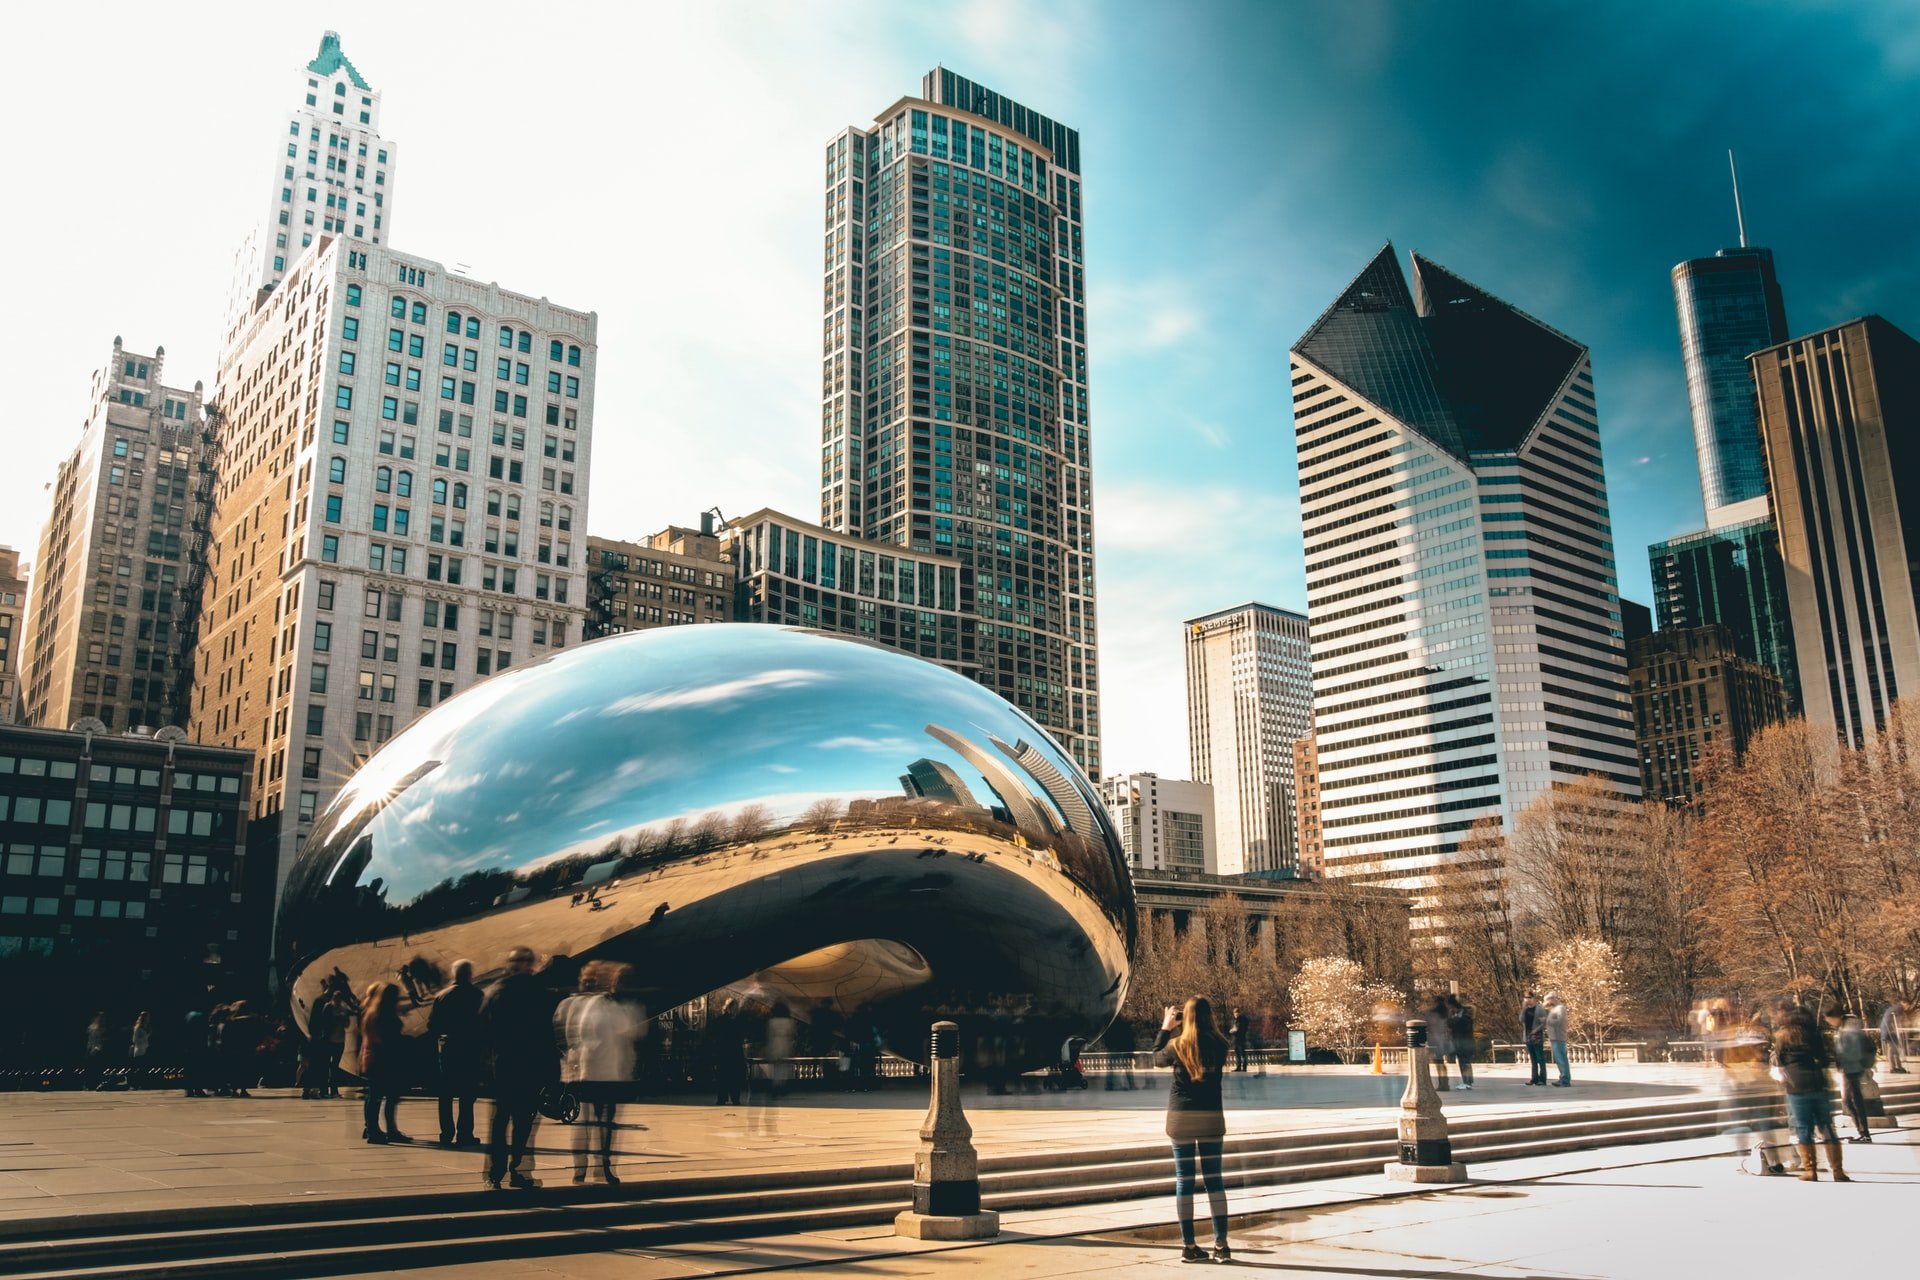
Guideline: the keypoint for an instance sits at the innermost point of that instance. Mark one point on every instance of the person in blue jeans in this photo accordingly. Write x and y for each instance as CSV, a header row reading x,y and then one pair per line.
x,y
1556,1028
1192,1045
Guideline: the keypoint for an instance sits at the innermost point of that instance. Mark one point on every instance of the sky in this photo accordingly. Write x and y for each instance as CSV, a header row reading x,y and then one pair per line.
x,y
661,165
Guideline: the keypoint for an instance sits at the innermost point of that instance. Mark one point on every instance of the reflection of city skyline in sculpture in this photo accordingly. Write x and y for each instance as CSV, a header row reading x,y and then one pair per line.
x,y
748,803
936,781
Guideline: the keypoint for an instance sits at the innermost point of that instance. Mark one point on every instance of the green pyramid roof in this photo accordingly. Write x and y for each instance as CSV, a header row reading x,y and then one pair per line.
x,y
330,60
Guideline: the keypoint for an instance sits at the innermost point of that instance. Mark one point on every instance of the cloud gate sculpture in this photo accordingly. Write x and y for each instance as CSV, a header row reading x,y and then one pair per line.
x,y
781,812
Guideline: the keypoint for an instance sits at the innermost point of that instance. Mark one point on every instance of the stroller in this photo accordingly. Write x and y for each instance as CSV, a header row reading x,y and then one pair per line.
x,y
1066,1073
558,1103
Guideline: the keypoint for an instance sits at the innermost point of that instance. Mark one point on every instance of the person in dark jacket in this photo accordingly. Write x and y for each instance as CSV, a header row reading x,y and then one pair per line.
x,y
317,1053
1533,1029
1460,1032
382,1066
1801,1056
1192,1045
1237,1028
455,1026
517,1025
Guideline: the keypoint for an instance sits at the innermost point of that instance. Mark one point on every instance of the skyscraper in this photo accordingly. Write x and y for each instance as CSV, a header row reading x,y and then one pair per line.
x,y
335,178
1729,306
1732,577
954,418
13,612
1249,697
1467,648
103,634
1840,414
1730,573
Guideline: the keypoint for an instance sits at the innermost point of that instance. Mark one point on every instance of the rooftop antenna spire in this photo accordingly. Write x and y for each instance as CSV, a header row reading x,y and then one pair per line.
x,y
1738,216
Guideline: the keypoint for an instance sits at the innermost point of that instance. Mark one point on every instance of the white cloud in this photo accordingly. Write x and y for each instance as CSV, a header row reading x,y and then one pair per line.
x,y
1141,317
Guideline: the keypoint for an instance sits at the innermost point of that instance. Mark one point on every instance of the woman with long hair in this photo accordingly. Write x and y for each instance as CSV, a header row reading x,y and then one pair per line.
x,y
381,1051
1192,1045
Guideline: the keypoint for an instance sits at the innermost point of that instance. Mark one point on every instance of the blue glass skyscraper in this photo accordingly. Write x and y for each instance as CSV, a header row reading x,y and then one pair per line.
x,y
954,419
1731,572
1729,306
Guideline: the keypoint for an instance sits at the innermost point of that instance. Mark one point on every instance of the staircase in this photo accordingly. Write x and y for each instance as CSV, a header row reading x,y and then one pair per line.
x,y
338,1236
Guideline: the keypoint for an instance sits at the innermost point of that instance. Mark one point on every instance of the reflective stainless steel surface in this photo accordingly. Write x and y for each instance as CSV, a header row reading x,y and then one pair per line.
x,y
840,824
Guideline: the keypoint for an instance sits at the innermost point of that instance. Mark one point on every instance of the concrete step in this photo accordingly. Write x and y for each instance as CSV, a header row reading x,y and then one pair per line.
x,y
330,1237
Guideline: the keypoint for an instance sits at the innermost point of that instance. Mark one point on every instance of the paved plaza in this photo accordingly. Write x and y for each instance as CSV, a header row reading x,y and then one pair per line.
x,y
123,1152
1642,1211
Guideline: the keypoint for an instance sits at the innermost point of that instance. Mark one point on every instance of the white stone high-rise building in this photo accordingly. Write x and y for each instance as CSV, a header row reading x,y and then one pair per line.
x,y
401,512
1467,644
333,175
1165,824
110,623
1249,696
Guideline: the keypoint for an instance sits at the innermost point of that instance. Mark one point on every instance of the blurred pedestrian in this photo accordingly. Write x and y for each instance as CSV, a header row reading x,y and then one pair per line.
x,y
454,1024
193,1051
1193,1047
1238,1029
1439,1042
139,1044
241,1033
600,1031
1556,1030
382,1063
96,1075
1853,1053
1460,1032
1801,1056
726,1050
517,1023
318,1051
1120,1044
776,1068
1533,1030
1891,1033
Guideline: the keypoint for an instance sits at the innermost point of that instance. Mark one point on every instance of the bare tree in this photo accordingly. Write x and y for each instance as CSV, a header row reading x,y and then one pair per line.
x,y
1369,926
1585,973
821,814
1567,867
1333,1002
1471,935
1779,856
1670,958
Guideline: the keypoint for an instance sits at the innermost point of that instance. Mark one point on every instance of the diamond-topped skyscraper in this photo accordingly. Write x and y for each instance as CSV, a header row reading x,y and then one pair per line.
x,y
954,415
1465,613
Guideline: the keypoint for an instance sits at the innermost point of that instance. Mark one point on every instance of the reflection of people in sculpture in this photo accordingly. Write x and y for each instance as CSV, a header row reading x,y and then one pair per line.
x,y
599,1030
775,1070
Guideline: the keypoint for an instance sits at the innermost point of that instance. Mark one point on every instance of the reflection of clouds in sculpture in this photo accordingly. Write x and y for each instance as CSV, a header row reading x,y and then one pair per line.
x,y
712,694
852,743
480,824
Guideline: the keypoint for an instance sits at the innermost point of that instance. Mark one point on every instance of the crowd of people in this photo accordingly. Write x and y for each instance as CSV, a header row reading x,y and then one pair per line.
x,y
565,1039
